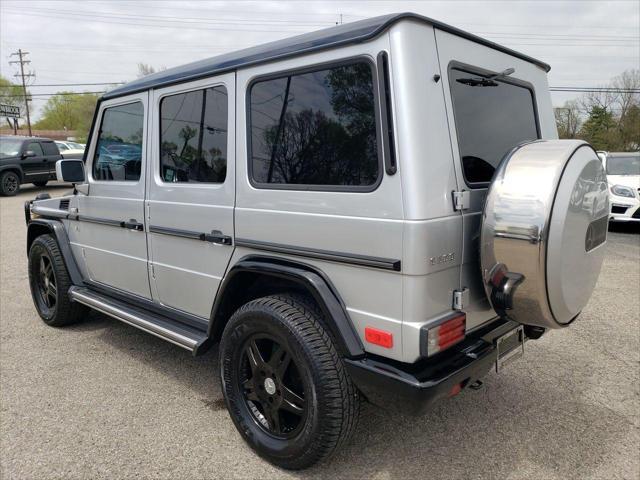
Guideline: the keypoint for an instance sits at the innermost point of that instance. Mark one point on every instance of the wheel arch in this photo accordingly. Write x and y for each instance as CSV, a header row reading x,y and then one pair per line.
x,y
258,275
13,168
42,226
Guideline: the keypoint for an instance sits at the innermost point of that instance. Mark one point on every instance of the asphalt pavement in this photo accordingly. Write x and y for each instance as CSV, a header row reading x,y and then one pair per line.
x,y
103,400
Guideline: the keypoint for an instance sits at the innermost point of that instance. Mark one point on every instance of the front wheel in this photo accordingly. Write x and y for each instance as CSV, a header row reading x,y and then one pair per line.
x,y
50,283
285,386
9,184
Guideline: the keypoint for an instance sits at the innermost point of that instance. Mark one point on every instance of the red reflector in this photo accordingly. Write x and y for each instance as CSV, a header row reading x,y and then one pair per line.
x,y
378,337
455,389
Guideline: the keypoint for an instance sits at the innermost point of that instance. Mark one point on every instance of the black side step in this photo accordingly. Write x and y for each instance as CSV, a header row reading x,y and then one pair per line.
x,y
179,334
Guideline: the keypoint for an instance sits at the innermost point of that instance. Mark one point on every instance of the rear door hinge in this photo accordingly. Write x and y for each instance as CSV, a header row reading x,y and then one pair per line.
x,y
461,199
460,298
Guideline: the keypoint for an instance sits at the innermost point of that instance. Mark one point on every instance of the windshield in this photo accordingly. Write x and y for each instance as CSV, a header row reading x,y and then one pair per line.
x,y
623,165
10,148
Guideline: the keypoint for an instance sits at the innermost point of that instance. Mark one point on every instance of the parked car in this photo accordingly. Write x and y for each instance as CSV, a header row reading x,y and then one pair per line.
x,y
623,177
332,210
26,160
68,145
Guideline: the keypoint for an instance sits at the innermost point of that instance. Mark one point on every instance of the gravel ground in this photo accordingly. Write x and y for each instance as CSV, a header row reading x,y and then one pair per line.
x,y
103,400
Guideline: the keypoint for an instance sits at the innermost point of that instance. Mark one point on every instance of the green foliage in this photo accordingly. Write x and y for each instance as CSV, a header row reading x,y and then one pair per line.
x,y
600,129
70,111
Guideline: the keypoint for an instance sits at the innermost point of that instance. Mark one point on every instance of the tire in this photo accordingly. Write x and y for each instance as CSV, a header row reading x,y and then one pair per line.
x,y
50,283
9,184
41,184
314,406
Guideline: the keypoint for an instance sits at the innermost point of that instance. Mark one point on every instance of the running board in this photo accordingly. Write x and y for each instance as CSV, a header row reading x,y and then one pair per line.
x,y
179,334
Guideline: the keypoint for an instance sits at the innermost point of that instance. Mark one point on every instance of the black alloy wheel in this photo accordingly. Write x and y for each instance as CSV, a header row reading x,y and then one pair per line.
x,y
284,383
9,184
50,283
272,386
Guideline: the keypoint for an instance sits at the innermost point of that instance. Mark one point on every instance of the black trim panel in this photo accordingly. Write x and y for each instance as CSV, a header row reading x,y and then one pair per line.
x,y
384,86
55,226
214,237
412,388
331,256
335,315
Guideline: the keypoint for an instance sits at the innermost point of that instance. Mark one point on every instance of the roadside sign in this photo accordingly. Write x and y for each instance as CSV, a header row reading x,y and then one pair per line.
x,y
9,111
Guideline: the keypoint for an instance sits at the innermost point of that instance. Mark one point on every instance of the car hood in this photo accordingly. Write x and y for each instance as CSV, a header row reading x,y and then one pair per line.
x,y
632,181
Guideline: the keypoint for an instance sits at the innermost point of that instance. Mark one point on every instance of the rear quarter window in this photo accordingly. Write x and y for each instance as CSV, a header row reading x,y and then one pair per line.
x,y
491,116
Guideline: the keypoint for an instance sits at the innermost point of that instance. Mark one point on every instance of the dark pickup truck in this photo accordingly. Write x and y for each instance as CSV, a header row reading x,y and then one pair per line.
x,y
26,160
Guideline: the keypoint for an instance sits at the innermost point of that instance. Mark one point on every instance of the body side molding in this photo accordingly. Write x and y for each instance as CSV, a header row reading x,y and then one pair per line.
x,y
341,257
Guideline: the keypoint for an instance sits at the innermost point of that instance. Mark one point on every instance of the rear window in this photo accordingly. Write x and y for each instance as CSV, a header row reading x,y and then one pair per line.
x,y
50,148
315,130
492,116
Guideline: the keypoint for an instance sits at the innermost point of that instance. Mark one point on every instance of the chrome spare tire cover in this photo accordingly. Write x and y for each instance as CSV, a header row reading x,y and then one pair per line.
x,y
543,233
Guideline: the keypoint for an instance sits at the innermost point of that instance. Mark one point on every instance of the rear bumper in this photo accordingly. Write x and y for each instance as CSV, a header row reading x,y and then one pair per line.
x,y
414,388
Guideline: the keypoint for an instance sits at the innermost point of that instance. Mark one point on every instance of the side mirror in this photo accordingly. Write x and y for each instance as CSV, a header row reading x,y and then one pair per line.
x,y
70,171
28,153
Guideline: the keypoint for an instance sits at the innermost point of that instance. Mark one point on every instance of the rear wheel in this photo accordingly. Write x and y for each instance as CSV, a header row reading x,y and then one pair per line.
x,y
285,386
9,184
41,184
50,283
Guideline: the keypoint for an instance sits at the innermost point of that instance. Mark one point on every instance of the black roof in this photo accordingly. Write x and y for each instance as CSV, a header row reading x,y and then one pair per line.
x,y
348,33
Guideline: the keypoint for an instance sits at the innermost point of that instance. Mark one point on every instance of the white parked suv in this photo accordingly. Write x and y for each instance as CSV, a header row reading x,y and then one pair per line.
x,y
623,177
378,211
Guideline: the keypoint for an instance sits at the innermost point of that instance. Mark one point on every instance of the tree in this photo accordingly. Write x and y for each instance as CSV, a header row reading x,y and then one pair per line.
x,y
600,129
69,111
568,119
11,94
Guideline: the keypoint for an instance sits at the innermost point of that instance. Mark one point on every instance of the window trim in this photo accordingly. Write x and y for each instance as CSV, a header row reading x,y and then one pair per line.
x,y
97,141
185,91
483,72
301,71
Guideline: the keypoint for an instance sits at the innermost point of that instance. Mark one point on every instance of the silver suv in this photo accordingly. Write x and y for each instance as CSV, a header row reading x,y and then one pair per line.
x,y
378,211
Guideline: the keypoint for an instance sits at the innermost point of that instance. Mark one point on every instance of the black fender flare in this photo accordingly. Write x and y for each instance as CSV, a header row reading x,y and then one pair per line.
x,y
39,226
14,167
311,279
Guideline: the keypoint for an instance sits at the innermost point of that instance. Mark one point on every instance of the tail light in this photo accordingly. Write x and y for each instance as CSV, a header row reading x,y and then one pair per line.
x,y
446,334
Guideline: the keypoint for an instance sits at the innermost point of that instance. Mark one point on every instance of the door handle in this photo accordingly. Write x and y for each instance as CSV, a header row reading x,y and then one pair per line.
x,y
133,225
216,237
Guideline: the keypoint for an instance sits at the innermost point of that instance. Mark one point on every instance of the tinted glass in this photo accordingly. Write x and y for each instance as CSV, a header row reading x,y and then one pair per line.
x,y
316,128
491,117
193,136
9,147
623,165
62,146
50,148
35,148
118,154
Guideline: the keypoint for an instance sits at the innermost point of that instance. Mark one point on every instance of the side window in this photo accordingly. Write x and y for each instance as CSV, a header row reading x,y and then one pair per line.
x,y
315,129
118,154
35,148
193,136
50,148
492,116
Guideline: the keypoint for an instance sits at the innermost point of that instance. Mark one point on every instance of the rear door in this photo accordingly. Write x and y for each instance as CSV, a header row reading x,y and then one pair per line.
x,y
110,233
487,117
36,168
191,192
52,155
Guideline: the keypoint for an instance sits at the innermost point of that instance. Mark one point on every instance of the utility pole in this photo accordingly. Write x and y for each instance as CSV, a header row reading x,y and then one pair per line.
x,y
21,56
